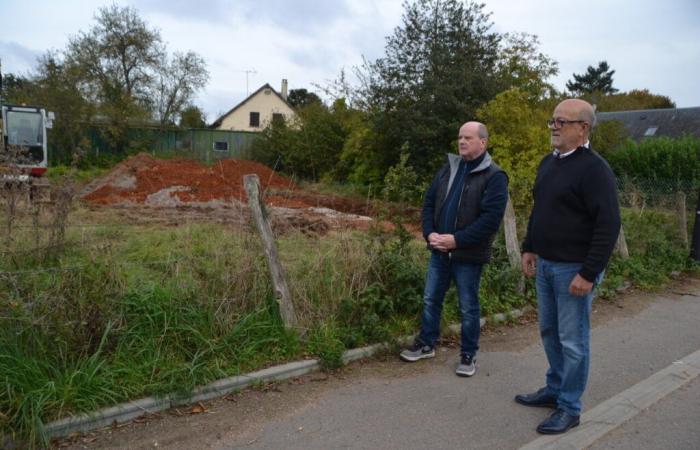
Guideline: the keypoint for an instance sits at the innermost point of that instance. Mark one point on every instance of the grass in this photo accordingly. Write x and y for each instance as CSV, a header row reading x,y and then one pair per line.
x,y
121,311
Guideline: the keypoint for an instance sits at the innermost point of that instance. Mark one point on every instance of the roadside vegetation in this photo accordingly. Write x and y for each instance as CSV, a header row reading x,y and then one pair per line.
x,y
115,312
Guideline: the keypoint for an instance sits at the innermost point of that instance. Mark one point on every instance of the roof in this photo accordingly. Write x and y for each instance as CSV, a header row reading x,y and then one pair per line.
x,y
218,121
671,122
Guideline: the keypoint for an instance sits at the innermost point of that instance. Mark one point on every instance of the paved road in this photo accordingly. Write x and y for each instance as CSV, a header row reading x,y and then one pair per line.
x,y
394,405
672,423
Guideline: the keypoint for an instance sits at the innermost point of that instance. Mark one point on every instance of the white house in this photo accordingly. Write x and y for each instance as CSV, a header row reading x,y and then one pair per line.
x,y
257,111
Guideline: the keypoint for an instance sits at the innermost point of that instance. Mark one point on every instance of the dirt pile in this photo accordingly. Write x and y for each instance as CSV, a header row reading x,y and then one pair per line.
x,y
146,189
143,179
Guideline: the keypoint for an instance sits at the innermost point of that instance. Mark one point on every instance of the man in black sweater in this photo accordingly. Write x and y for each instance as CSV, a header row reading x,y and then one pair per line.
x,y
462,211
571,234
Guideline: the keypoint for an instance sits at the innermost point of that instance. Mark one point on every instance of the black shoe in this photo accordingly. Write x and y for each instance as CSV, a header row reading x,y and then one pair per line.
x,y
559,422
539,398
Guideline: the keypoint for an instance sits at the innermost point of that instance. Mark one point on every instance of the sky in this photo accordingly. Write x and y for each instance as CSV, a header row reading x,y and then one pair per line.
x,y
650,44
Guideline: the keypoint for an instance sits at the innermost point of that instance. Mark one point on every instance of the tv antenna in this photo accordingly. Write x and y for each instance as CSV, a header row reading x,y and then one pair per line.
x,y
247,72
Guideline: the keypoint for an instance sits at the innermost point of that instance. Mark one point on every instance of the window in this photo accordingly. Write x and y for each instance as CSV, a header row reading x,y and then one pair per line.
x,y
650,131
254,119
277,118
221,146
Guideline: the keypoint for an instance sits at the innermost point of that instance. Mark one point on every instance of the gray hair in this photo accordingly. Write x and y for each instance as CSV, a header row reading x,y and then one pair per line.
x,y
483,132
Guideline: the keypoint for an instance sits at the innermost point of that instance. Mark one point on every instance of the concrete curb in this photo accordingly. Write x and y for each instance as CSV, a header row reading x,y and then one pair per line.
x,y
617,410
131,410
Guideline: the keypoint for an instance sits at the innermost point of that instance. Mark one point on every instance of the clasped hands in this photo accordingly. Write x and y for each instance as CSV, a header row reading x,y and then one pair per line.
x,y
442,242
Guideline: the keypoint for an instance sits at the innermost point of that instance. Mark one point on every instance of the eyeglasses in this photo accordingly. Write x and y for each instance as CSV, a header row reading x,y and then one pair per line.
x,y
558,123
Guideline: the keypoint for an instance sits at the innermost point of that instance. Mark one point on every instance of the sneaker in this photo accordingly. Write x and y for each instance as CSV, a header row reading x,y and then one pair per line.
x,y
466,366
417,351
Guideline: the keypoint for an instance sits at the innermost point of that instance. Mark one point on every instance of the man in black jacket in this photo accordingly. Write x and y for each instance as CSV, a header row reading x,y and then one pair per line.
x,y
462,211
571,234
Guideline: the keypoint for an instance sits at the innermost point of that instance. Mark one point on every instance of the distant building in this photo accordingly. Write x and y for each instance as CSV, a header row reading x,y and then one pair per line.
x,y
641,124
257,111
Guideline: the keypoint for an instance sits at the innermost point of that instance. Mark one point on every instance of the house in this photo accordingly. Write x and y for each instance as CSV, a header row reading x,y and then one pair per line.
x,y
257,111
671,122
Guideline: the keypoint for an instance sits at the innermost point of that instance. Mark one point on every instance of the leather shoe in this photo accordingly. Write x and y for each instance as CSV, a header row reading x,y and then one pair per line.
x,y
559,422
539,398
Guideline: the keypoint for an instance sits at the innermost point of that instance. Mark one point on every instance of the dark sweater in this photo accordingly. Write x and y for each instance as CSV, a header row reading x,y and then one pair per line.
x,y
576,217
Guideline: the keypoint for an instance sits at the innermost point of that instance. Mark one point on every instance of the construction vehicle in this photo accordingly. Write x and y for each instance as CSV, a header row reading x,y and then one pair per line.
x,y
24,157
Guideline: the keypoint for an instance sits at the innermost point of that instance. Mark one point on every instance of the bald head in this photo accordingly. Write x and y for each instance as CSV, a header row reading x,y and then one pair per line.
x,y
575,118
580,109
472,140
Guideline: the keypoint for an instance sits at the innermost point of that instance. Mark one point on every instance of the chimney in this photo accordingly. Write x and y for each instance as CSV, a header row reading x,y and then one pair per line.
x,y
284,89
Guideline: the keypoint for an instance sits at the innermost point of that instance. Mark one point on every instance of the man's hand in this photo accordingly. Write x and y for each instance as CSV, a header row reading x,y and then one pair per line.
x,y
529,263
580,286
442,242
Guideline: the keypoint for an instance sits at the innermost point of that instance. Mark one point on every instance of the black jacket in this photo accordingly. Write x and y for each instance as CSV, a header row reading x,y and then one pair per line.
x,y
480,210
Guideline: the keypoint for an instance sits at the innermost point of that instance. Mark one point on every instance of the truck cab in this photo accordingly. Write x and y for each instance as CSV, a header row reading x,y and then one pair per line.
x,y
24,136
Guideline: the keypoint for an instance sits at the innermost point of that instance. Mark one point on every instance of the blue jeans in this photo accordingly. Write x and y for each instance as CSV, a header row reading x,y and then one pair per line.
x,y
441,271
565,330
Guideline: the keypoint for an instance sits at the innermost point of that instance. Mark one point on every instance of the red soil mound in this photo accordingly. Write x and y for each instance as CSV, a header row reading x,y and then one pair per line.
x,y
144,179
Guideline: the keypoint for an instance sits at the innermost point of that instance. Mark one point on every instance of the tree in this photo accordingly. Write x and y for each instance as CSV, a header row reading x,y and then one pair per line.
x,y
608,136
122,68
299,98
192,117
633,100
595,80
518,138
308,148
177,83
17,89
439,67
522,66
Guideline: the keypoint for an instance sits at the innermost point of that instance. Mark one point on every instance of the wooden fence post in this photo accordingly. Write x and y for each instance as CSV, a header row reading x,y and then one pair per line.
x,y
621,245
682,218
695,245
262,222
511,234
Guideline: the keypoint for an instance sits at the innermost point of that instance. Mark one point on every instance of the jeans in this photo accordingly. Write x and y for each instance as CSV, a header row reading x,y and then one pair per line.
x,y
441,271
565,330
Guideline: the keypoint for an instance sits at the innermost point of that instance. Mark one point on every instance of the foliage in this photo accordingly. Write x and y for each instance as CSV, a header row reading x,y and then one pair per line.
x,y
308,148
192,117
439,67
522,66
300,98
595,80
518,139
176,83
608,136
632,100
401,184
670,163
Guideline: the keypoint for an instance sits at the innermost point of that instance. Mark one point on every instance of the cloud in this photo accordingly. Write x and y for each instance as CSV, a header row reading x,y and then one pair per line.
x,y
18,58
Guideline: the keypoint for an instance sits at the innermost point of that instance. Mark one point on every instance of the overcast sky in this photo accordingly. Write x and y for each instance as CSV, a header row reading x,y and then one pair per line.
x,y
650,44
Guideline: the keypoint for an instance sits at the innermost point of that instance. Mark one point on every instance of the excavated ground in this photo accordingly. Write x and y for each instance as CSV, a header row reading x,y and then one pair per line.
x,y
145,189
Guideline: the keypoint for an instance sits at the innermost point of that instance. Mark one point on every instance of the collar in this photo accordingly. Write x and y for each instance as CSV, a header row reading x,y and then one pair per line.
x,y
557,154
